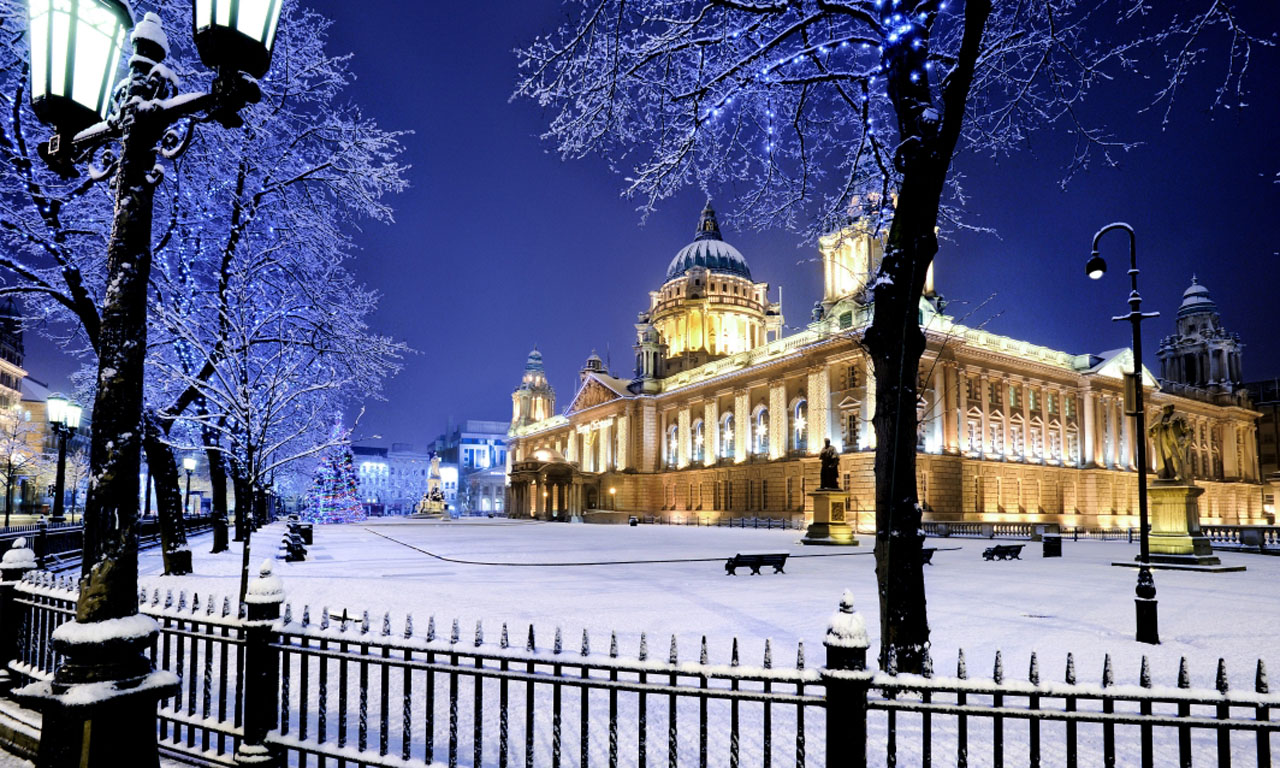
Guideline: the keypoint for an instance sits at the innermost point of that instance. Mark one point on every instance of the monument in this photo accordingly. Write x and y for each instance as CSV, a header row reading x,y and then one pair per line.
x,y
432,504
1175,538
830,524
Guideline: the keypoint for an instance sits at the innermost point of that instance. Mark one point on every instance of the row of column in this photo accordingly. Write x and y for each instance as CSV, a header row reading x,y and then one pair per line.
x,y
951,387
543,498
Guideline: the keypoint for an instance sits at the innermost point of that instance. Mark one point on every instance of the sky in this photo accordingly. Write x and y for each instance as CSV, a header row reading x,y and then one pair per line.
x,y
499,245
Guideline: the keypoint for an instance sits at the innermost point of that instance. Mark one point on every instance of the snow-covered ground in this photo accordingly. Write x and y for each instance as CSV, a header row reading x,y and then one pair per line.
x,y
1078,603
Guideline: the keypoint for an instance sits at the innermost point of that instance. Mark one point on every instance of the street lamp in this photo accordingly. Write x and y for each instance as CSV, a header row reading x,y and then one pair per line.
x,y
1145,600
76,47
15,458
189,464
64,420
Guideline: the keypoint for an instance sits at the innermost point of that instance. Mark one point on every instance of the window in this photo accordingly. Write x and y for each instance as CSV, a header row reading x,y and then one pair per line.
x,y
1055,444
851,428
726,436
997,436
1037,442
760,431
800,426
698,441
1033,399
673,445
974,432
851,377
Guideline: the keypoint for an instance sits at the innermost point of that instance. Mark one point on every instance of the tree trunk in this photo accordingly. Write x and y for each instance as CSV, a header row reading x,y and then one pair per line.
x,y
218,486
169,507
244,501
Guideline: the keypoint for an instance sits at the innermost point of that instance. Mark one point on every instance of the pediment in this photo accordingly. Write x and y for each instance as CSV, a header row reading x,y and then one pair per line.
x,y
593,393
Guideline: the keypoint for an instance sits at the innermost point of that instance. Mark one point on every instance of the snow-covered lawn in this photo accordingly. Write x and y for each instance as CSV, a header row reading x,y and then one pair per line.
x,y
1079,603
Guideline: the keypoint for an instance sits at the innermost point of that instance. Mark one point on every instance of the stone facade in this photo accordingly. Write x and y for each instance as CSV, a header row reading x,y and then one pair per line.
x,y
1008,431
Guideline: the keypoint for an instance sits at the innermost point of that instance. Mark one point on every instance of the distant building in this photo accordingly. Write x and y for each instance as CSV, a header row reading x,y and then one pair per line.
x,y
1266,400
476,448
11,355
393,480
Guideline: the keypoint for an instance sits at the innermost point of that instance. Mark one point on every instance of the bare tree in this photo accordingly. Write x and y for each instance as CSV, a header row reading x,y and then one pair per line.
x,y
827,113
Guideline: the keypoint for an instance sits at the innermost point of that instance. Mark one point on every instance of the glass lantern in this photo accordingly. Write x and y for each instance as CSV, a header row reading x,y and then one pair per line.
x,y
75,55
236,34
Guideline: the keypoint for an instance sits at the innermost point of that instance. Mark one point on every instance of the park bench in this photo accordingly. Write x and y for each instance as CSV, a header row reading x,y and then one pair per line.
x,y
926,555
1003,552
755,562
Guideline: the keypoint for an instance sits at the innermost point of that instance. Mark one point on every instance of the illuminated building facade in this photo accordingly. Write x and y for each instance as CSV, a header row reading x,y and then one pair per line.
x,y
725,417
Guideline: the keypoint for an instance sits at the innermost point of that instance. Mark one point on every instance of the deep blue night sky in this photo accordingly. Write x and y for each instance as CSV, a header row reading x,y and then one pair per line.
x,y
500,245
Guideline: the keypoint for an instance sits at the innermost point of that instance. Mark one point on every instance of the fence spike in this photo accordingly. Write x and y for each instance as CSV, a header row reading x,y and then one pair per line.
x,y
168,598
226,607
800,655
1184,674
1144,675
324,617
1108,677
455,633
926,669
962,670
195,603
288,613
479,641
613,645
1222,685
505,642
673,657
343,621
1071,669
586,643
386,624
893,661
997,672
1260,680
644,647
530,646
364,623
702,653
431,628
142,596
768,653
733,658
182,600
208,610
306,615
558,644
408,626
244,611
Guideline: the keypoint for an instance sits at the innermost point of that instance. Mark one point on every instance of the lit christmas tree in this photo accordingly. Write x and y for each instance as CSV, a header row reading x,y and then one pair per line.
x,y
333,497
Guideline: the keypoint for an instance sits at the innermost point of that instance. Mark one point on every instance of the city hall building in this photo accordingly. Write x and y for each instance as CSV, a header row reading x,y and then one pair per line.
x,y
725,415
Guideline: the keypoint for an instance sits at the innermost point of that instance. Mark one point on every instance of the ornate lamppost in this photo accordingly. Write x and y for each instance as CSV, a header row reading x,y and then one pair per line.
x,y
100,707
189,464
1145,601
64,420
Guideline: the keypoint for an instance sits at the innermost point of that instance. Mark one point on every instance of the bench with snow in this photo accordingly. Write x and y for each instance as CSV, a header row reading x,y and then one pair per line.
x,y
1003,552
755,561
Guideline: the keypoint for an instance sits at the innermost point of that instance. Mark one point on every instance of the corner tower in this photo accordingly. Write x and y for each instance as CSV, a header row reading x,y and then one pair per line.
x,y
1201,354
708,307
534,400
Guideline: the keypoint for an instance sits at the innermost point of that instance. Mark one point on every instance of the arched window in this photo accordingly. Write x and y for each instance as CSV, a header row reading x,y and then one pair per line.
x,y
800,426
726,436
698,442
673,445
760,431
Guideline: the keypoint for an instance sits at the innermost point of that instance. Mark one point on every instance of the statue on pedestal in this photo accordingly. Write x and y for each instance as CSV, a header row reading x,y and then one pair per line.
x,y
1170,435
829,478
432,503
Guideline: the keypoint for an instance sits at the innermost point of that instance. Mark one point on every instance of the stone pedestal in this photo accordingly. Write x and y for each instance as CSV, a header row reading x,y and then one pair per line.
x,y
1175,536
830,524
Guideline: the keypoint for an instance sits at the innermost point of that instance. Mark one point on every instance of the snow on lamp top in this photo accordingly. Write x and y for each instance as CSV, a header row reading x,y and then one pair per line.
x,y
19,555
846,628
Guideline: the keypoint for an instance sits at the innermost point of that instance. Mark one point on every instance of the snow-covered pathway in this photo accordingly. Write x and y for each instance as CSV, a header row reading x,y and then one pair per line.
x,y
1079,603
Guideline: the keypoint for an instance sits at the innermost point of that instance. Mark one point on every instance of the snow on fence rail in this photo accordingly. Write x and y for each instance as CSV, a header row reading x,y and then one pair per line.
x,y
337,690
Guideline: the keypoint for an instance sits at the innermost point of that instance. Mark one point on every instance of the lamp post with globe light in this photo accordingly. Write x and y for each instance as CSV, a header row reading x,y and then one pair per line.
x,y
64,420
100,707
1145,601
189,464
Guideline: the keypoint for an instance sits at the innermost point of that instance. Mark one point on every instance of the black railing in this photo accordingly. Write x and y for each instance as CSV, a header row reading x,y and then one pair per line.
x,y
338,690
57,547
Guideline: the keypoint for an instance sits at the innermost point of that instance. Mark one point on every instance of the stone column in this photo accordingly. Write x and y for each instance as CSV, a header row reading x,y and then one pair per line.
x,y
962,410
937,411
741,425
867,440
682,437
1088,432
711,432
984,399
818,395
650,441
1065,459
1006,406
623,455
1126,451
778,420
1026,419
